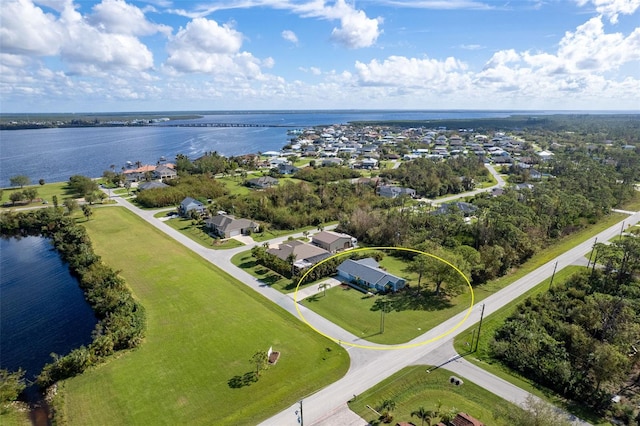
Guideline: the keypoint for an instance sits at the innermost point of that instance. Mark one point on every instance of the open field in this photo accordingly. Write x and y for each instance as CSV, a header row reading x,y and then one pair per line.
x,y
45,192
412,388
203,327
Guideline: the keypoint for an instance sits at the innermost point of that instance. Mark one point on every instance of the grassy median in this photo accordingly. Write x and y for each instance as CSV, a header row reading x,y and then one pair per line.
x,y
203,327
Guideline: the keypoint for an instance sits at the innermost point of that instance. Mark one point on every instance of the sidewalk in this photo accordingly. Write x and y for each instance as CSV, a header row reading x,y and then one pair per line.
x,y
313,289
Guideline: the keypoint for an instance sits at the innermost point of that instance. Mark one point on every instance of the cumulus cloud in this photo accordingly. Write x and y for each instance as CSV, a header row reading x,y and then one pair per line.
x,y
290,36
27,29
205,46
613,8
82,43
356,30
408,72
117,16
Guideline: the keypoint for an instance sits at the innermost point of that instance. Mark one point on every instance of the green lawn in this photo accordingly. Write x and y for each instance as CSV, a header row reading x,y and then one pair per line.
x,y
199,234
203,327
412,388
234,184
276,281
45,192
14,417
406,317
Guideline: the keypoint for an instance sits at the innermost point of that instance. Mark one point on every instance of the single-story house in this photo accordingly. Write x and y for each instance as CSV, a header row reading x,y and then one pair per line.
x,y
305,254
367,273
227,226
262,182
151,185
332,161
333,241
189,204
467,209
287,169
395,191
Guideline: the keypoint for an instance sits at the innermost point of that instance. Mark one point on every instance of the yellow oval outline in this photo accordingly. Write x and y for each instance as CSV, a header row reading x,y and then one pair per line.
x,y
385,347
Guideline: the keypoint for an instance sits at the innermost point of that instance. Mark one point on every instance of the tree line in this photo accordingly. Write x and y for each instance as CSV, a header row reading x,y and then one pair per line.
x,y
121,319
581,338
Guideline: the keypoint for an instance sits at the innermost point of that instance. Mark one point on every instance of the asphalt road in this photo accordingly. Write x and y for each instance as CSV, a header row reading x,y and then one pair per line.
x,y
371,365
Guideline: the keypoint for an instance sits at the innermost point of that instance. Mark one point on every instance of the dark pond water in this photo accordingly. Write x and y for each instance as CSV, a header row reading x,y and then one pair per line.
x,y
42,308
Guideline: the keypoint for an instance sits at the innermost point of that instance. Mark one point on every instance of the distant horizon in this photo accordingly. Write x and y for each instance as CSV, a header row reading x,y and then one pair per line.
x,y
338,111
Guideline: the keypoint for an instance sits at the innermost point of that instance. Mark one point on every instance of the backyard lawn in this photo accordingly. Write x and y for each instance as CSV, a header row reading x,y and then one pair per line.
x,y
412,388
203,327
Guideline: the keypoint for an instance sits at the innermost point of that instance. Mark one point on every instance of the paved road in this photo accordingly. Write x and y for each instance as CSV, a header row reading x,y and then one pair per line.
x,y
371,365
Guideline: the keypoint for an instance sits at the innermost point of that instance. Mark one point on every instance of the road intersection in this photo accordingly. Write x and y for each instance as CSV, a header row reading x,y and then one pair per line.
x,y
369,366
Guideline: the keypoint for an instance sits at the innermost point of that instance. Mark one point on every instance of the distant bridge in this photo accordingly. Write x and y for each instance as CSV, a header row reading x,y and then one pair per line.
x,y
222,125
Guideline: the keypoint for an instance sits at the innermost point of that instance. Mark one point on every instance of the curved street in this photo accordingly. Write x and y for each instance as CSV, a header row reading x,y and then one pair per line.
x,y
370,366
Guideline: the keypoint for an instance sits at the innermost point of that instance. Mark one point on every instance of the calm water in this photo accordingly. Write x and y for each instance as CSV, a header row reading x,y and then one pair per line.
x,y
42,308
56,154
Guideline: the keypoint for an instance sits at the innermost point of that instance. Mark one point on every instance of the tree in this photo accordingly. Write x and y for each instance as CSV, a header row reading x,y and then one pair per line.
x,y
388,405
87,211
82,185
41,182
30,194
11,385
424,415
535,413
323,287
419,265
261,361
55,201
70,204
16,196
20,180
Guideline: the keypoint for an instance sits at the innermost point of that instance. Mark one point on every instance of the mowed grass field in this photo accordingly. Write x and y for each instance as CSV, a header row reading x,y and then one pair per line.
x,y
412,388
203,327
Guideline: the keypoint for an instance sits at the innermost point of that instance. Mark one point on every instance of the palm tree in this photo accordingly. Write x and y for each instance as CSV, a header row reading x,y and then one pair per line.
x,y
323,287
388,405
424,415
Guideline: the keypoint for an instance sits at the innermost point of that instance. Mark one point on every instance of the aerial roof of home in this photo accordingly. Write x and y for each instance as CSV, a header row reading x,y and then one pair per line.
x,y
329,237
300,249
367,270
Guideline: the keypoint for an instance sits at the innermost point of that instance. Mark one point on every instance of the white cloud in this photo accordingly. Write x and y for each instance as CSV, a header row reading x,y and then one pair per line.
x,y
471,46
117,16
290,36
26,29
203,46
612,8
357,30
409,72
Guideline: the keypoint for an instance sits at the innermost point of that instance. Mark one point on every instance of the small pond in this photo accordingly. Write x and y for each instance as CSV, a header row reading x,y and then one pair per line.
x,y
42,308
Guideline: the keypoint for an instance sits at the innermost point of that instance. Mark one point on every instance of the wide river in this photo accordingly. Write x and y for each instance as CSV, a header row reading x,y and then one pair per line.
x,y
56,154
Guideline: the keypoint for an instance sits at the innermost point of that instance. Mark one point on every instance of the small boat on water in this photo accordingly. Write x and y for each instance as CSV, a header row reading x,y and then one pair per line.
x,y
163,158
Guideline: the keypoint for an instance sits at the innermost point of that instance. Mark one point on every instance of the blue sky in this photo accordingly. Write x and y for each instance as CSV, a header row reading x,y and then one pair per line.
x,y
159,55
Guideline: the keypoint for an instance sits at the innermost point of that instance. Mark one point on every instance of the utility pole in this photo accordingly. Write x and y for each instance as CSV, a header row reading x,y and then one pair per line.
x,y
479,328
553,275
622,229
592,250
